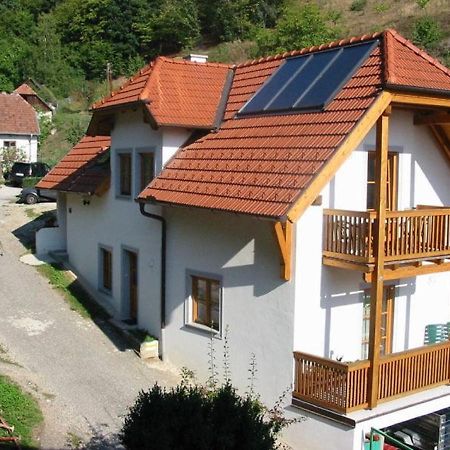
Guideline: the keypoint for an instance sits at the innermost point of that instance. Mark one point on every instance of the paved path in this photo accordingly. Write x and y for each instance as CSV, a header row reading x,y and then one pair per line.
x,y
84,377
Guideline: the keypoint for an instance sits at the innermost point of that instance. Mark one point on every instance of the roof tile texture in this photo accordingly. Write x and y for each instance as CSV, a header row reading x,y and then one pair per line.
x,y
409,66
17,116
177,92
259,165
77,172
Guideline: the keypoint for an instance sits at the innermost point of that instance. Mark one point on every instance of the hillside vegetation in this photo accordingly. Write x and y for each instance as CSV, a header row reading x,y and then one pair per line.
x,y
65,46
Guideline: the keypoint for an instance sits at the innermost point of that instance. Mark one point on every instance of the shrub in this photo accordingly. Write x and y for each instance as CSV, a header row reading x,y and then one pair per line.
x,y
192,417
29,182
10,155
426,33
358,5
422,3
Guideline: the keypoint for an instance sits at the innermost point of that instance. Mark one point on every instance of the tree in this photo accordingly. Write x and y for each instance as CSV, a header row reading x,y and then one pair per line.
x,y
168,27
297,28
49,61
237,19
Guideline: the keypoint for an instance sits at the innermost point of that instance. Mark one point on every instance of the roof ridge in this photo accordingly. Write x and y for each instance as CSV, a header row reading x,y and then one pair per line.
x,y
397,36
312,49
140,72
196,63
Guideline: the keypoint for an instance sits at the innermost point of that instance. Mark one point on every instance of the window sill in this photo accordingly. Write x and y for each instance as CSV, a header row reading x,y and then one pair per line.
x,y
204,329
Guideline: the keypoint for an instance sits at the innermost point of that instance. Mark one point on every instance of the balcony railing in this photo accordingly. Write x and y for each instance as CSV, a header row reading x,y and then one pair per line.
x,y
410,235
343,387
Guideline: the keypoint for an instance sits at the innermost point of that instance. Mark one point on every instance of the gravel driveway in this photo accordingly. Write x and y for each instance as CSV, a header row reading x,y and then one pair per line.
x,y
83,376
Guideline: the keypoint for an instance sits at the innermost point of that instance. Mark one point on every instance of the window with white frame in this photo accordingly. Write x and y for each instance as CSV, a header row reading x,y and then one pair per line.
x,y
9,144
206,301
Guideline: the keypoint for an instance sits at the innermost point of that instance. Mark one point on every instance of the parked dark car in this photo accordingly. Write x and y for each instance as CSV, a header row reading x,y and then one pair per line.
x,y
33,195
21,170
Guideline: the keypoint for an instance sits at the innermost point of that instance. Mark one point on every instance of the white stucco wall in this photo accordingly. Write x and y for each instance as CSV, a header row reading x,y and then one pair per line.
x,y
117,224
257,304
329,308
27,144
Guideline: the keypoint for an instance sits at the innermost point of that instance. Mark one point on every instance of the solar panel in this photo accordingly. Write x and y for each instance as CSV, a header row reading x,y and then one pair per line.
x,y
308,82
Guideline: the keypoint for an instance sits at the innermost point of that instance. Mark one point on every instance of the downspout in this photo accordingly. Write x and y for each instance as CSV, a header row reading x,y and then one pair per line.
x,y
163,269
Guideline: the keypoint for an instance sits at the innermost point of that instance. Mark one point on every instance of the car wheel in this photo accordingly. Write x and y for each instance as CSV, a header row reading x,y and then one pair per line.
x,y
31,199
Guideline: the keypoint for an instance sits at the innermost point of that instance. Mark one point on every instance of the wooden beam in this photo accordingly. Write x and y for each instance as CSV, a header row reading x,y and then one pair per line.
x,y
441,140
348,265
421,100
439,118
410,271
283,232
377,291
314,189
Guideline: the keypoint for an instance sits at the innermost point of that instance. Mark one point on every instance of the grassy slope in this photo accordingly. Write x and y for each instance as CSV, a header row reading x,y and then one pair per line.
x,y
19,410
380,14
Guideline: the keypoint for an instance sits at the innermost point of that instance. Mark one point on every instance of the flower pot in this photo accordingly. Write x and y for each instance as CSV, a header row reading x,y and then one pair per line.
x,y
149,349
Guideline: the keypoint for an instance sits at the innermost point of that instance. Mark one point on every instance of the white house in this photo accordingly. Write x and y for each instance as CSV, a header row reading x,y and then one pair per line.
x,y
300,201
19,127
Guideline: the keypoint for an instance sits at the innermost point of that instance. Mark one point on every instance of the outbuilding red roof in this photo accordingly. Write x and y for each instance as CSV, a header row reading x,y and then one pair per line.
x,y
83,169
261,165
175,92
17,116
25,89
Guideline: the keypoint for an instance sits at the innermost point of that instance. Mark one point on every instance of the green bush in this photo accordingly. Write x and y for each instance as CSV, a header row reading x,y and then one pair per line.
x,y
299,27
427,33
358,5
29,182
194,418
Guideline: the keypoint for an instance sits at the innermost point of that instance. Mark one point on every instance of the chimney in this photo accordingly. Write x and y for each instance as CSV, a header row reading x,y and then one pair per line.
x,y
194,57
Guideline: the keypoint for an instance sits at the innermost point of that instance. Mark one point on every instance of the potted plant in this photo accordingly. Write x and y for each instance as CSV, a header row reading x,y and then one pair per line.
x,y
149,347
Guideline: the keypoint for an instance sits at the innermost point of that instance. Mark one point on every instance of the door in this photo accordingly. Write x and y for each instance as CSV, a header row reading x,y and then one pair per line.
x,y
391,181
132,284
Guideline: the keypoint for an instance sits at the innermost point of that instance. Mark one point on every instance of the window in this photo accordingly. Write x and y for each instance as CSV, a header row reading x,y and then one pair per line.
x,y
387,320
147,169
106,269
125,174
391,181
9,144
206,302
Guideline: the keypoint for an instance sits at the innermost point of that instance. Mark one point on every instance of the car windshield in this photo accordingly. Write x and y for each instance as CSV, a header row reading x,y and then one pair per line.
x,y
20,167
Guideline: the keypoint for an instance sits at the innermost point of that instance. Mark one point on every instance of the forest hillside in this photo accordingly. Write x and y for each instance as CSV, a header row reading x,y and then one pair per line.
x,y
66,46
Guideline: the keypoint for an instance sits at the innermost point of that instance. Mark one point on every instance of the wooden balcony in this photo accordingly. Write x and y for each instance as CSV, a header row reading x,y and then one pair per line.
x,y
343,387
412,236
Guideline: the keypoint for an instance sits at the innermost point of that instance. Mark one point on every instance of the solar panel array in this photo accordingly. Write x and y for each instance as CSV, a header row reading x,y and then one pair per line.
x,y
309,82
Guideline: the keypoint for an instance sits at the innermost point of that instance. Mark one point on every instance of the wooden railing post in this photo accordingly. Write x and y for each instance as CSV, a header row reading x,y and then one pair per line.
x,y
376,302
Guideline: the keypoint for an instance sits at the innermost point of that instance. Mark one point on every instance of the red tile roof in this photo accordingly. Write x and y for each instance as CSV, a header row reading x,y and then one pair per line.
x,y
81,170
24,89
176,92
407,65
17,116
261,165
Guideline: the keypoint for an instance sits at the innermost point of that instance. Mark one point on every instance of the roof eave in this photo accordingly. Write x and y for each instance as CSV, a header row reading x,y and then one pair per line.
x,y
154,201
392,87
16,133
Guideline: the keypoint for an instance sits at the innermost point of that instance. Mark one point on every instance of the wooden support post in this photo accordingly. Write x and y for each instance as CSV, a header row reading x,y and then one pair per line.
x,y
376,295
283,233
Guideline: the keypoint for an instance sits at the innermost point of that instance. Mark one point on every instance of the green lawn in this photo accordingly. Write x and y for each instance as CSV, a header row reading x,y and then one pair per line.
x,y
19,410
77,298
